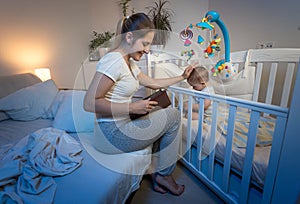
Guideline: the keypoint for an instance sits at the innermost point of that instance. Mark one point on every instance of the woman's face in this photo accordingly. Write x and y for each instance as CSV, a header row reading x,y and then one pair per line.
x,y
141,46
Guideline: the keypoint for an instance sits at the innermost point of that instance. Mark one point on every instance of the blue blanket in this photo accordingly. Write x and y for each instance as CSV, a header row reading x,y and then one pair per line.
x,y
27,169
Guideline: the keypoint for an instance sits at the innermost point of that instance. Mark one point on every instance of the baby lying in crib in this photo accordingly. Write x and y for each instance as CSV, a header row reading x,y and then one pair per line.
x,y
199,80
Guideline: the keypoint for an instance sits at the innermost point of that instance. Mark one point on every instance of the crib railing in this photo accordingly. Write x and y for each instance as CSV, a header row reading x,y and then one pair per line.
x,y
256,110
274,70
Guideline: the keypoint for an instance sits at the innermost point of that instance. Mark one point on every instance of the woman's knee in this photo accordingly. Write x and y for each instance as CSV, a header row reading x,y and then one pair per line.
x,y
174,115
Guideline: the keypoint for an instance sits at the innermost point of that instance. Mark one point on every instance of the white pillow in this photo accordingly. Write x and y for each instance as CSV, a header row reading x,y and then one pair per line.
x,y
29,103
71,116
240,85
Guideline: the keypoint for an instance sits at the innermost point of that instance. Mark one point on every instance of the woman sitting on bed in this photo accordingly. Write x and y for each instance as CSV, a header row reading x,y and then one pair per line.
x,y
116,80
199,80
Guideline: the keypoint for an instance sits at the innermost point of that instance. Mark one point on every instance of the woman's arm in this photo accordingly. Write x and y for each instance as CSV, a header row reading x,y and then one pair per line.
x,y
152,83
94,100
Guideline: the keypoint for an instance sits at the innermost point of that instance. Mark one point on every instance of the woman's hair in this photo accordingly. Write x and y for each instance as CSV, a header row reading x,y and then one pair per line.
x,y
137,21
139,24
199,74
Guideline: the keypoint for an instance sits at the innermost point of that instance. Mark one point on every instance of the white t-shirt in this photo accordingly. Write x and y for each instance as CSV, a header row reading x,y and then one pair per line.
x,y
126,83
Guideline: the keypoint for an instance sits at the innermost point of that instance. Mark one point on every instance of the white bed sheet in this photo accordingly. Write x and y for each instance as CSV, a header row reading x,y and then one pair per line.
x,y
101,178
261,155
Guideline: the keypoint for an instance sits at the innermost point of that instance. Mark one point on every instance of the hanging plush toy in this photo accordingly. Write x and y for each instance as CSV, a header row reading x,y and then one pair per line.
x,y
186,35
213,47
188,53
223,67
205,24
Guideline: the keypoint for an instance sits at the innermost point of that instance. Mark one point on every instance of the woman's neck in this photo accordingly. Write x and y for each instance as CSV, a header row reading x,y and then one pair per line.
x,y
124,54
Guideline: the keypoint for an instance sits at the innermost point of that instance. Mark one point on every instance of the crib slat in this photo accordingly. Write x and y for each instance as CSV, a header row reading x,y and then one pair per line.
x,y
257,81
189,129
212,140
274,158
287,85
173,99
180,107
271,83
199,133
228,150
247,167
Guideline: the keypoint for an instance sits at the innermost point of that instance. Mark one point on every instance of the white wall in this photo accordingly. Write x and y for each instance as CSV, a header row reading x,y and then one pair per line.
x,y
56,33
41,33
250,22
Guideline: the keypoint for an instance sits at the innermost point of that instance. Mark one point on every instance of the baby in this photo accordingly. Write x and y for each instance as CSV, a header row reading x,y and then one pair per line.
x,y
199,80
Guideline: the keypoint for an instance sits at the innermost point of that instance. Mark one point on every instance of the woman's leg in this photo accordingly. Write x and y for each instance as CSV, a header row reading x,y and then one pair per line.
x,y
129,136
159,128
166,150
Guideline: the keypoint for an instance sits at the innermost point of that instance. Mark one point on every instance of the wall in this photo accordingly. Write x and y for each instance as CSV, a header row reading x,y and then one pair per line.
x,y
56,33
252,22
40,33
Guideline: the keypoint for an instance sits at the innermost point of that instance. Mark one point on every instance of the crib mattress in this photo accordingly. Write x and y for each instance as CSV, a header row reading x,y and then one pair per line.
x,y
93,181
261,155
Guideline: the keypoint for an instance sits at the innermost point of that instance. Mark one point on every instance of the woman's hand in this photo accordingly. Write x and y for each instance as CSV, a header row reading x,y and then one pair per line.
x,y
142,106
188,70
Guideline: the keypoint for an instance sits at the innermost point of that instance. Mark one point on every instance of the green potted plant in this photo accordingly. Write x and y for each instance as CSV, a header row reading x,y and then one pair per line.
x,y
124,6
99,41
162,18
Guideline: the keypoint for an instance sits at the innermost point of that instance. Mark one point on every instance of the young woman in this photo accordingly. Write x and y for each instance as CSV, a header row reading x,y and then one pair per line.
x,y
109,96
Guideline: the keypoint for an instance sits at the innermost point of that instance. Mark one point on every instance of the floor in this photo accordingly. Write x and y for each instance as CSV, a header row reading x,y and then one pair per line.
x,y
195,191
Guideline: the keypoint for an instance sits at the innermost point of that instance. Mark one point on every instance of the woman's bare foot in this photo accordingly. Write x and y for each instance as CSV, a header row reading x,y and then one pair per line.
x,y
169,183
156,186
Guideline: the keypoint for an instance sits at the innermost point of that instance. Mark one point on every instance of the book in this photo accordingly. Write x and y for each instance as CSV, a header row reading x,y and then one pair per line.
x,y
161,97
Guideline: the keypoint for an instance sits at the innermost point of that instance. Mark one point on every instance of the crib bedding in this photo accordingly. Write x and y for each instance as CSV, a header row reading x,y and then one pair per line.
x,y
92,182
242,120
263,142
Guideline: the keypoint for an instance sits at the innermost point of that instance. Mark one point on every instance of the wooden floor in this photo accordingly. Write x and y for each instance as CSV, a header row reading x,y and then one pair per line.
x,y
195,191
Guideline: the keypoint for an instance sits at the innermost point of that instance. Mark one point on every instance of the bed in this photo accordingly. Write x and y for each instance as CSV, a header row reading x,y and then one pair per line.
x,y
46,151
235,149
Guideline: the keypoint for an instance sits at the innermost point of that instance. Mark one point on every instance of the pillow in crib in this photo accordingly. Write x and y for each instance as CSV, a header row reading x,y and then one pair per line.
x,y
167,70
29,103
71,116
241,85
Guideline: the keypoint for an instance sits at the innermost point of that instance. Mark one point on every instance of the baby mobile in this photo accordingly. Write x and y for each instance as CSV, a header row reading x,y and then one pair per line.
x,y
223,66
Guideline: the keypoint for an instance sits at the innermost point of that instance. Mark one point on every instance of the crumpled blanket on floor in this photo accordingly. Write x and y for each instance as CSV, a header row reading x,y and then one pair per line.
x,y
26,169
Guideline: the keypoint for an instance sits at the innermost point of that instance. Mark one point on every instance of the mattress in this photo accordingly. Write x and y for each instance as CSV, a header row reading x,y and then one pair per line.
x,y
261,154
12,131
100,179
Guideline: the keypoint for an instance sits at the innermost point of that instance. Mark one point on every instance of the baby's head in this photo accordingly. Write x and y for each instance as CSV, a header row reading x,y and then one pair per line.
x,y
198,78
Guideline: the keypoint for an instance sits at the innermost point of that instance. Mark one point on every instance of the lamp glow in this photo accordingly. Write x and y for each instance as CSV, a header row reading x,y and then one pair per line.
x,y
43,73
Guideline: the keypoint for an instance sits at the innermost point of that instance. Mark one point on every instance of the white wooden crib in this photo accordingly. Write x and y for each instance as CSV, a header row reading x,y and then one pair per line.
x,y
239,174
